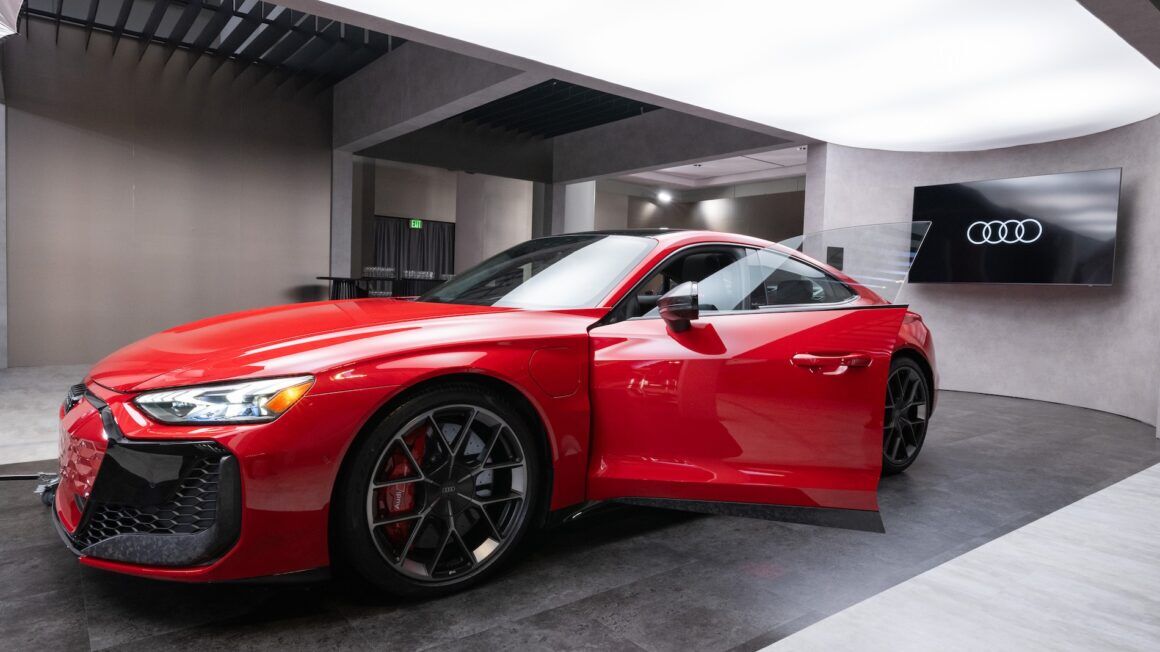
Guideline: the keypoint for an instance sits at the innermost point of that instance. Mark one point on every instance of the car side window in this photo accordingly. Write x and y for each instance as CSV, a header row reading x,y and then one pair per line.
x,y
696,265
766,279
786,281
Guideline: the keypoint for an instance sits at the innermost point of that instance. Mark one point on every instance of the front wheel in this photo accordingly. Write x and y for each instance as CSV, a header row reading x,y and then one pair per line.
x,y
441,493
907,408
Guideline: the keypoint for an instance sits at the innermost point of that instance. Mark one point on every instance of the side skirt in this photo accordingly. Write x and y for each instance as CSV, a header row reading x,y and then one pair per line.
x,y
846,519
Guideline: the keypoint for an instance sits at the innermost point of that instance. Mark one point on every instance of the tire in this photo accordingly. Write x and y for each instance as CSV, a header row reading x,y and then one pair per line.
x,y
908,401
469,508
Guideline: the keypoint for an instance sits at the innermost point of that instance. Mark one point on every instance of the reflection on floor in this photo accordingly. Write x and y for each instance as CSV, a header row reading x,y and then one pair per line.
x,y
1084,578
623,579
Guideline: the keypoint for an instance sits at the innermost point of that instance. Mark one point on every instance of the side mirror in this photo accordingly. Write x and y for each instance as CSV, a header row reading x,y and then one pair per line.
x,y
679,306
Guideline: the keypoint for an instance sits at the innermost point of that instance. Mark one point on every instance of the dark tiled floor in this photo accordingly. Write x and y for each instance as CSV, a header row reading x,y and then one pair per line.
x,y
625,579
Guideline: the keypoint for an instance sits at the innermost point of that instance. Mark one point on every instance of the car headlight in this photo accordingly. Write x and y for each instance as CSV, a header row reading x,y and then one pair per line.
x,y
251,401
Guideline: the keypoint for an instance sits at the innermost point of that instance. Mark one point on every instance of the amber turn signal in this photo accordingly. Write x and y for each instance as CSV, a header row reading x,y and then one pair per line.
x,y
286,398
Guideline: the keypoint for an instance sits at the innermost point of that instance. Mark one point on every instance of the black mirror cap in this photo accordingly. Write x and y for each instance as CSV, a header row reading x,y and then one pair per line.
x,y
678,306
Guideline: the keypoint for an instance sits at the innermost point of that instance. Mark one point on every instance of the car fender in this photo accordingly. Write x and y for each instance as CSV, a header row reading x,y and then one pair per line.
x,y
519,365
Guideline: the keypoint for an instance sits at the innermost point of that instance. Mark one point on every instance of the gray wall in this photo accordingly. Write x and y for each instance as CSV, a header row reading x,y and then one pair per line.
x,y
3,234
492,214
414,191
579,207
144,195
1092,347
773,217
611,210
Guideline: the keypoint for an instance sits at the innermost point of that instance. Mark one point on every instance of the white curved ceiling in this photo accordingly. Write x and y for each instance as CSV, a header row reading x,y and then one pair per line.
x,y
915,75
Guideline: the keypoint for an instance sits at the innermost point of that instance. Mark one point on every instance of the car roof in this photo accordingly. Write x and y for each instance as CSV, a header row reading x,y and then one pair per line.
x,y
677,236
647,233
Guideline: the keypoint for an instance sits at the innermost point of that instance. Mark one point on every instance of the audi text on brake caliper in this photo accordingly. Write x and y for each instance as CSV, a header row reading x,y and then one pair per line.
x,y
1004,232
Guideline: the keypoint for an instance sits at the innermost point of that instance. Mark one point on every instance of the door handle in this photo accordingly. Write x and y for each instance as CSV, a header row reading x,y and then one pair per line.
x,y
838,361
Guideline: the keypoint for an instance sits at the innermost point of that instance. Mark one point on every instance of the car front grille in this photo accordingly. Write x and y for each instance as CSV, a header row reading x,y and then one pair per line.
x,y
74,396
191,509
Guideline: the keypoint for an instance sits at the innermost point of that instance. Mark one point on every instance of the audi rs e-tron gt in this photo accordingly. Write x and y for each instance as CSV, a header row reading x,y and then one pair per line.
x,y
421,440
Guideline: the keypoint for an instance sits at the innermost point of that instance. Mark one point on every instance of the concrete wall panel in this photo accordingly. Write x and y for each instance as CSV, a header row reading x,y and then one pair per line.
x,y
611,210
773,217
1095,347
492,214
414,191
144,194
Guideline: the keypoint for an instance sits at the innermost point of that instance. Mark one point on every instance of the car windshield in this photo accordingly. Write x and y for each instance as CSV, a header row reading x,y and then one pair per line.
x,y
567,271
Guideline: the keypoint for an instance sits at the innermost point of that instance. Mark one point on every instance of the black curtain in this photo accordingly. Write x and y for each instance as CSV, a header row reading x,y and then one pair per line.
x,y
388,241
421,258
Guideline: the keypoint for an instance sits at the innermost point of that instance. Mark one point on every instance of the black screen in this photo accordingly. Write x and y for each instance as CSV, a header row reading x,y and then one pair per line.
x,y
1054,228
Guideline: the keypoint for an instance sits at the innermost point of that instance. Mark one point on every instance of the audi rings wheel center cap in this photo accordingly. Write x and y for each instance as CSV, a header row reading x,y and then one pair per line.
x,y
1004,232
453,499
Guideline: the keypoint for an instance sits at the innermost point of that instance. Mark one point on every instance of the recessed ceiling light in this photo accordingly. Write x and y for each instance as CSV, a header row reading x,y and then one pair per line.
x,y
892,74
664,196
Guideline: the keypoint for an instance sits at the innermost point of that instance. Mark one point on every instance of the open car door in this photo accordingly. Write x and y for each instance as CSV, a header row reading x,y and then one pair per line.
x,y
770,402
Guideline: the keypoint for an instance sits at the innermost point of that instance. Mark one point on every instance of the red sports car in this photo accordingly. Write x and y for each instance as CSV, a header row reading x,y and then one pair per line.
x,y
421,441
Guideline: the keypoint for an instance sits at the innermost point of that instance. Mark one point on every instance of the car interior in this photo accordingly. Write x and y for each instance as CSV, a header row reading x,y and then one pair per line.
x,y
729,270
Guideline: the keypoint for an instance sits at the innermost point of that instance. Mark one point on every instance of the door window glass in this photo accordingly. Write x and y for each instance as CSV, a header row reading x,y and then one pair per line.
x,y
766,279
694,265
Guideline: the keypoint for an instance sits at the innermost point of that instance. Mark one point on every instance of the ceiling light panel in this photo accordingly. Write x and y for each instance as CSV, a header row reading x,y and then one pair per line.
x,y
916,75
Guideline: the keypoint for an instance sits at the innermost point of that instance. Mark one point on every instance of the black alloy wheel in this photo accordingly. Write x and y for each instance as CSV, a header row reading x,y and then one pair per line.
x,y
442,492
907,410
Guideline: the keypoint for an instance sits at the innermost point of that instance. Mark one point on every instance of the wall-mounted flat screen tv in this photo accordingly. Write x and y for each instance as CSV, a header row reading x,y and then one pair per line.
x,y
1053,228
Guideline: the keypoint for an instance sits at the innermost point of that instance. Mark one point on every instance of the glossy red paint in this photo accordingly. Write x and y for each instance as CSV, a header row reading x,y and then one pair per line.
x,y
630,409
719,413
914,337
82,448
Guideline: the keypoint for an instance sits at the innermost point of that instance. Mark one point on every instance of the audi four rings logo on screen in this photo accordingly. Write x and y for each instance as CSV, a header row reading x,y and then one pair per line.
x,y
1004,232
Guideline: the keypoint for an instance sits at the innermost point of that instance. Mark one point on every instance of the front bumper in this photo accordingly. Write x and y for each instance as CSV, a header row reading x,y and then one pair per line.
x,y
152,503
169,506
202,503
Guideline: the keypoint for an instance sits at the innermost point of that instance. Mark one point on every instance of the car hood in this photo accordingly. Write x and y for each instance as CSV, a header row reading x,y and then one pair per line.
x,y
240,345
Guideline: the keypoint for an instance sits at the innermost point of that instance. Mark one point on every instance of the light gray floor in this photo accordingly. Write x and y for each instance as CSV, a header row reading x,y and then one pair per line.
x,y
29,400
1086,577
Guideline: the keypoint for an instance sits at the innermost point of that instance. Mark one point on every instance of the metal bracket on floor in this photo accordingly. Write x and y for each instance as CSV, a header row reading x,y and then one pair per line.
x,y
46,487
45,484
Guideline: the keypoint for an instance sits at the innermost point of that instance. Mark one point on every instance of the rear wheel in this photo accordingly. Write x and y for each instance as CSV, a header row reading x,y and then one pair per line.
x,y
441,493
907,408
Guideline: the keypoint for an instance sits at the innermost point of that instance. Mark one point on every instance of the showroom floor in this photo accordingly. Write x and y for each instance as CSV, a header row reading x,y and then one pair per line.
x,y
1023,581
623,579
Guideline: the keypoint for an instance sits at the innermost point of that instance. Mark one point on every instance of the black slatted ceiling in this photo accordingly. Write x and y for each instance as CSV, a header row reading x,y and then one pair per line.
x,y
554,108
298,44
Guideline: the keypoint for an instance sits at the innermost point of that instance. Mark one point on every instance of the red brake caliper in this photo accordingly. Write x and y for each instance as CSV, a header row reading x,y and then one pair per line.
x,y
399,499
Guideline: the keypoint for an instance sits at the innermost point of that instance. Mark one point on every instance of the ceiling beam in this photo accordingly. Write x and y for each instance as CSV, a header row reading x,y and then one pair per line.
x,y
646,142
414,87
242,31
155,16
181,27
212,29
57,11
275,29
328,38
271,37
94,5
555,95
122,18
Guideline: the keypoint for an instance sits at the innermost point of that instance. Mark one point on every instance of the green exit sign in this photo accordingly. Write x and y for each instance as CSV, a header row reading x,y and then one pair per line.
x,y
416,224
